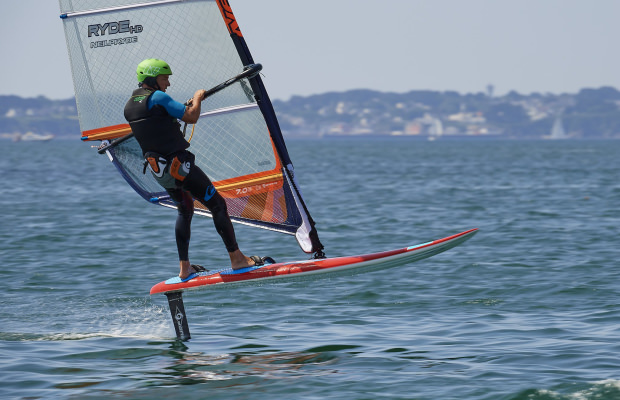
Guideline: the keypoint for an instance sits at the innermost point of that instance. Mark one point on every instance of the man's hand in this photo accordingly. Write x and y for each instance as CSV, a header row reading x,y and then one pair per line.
x,y
201,93
192,111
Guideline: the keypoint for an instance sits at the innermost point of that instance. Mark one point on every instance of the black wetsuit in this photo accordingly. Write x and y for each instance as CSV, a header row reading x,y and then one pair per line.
x,y
159,136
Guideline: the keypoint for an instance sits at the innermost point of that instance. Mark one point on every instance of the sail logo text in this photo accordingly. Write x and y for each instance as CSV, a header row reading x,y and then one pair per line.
x,y
256,188
112,42
112,28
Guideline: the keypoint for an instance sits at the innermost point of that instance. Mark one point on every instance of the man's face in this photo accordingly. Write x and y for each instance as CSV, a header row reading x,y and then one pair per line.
x,y
163,82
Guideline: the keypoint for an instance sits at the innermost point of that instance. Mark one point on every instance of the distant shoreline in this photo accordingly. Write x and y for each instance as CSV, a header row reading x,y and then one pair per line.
x,y
423,114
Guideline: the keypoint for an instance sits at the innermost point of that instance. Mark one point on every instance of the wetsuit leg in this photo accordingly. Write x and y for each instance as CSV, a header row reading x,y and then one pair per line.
x,y
200,186
222,222
182,229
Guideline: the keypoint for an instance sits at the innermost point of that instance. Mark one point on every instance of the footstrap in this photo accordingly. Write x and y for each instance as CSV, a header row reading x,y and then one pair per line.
x,y
199,268
258,261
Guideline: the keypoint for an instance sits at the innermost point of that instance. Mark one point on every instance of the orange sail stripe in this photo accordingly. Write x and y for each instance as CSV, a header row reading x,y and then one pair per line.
x,y
258,207
254,207
259,182
245,187
282,203
107,132
229,17
268,211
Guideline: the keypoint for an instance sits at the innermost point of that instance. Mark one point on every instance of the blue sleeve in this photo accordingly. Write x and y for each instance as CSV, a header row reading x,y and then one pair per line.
x,y
173,107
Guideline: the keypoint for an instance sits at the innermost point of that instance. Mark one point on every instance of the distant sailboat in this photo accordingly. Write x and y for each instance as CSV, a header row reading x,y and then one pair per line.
x,y
33,137
557,131
435,131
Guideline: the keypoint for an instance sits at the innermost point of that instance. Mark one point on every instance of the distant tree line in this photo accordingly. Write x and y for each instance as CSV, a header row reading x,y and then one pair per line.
x,y
588,114
591,113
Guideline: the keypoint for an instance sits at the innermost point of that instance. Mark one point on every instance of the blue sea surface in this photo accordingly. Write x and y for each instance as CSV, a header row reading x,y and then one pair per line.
x,y
529,309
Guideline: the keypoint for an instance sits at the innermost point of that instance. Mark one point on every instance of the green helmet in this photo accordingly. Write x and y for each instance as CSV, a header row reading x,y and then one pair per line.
x,y
152,67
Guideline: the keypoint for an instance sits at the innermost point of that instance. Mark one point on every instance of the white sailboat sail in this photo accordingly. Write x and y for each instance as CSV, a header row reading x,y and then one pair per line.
x,y
237,141
557,131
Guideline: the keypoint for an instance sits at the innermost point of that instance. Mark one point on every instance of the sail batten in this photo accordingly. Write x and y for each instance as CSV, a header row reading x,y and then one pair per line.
x,y
229,109
118,8
237,139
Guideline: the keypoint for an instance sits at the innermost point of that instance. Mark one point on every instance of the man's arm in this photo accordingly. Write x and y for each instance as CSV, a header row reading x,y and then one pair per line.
x,y
192,110
174,108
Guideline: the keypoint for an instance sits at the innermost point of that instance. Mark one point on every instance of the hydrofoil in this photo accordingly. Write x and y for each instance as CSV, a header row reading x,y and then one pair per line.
x,y
304,270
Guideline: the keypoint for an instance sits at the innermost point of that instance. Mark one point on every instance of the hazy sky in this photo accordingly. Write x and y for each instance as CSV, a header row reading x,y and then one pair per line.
x,y
317,46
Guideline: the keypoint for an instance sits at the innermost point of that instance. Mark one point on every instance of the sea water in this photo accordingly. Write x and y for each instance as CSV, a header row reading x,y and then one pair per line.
x,y
527,309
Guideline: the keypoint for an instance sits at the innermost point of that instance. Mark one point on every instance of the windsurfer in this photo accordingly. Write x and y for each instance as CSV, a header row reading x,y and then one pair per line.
x,y
153,116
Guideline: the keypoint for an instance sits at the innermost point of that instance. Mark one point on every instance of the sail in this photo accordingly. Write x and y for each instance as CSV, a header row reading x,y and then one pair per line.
x,y
557,131
237,140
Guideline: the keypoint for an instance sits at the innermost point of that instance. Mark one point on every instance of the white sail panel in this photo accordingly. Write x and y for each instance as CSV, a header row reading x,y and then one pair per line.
x,y
237,140
189,35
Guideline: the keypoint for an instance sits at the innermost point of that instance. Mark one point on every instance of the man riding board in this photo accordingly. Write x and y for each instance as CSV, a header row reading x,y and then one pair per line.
x,y
154,119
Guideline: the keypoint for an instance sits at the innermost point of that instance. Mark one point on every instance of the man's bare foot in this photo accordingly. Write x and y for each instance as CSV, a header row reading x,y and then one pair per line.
x,y
238,260
186,269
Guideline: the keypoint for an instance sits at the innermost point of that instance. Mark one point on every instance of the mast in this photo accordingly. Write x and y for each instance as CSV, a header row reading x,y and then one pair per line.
x,y
266,107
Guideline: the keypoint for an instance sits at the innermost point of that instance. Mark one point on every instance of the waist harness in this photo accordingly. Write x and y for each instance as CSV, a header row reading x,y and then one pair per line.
x,y
169,171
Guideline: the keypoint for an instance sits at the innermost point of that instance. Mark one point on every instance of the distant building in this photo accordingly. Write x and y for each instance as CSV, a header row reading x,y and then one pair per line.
x,y
490,89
